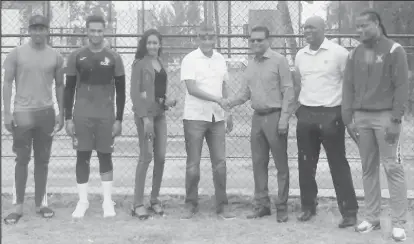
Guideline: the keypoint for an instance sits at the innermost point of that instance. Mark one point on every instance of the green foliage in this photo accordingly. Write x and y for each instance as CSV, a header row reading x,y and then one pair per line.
x,y
178,18
80,10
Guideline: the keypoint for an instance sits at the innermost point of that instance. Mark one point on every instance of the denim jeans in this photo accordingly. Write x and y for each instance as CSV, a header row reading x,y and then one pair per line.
x,y
215,134
147,149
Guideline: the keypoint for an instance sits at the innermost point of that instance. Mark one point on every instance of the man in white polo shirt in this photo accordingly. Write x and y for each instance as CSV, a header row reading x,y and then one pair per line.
x,y
318,84
204,72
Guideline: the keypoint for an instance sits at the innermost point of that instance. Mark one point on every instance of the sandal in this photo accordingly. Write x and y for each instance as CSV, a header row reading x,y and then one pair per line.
x,y
12,218
46,212
157,208
142,213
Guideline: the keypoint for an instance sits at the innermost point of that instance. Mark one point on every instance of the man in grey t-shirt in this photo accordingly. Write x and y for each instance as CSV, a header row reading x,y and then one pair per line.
x,y
33,66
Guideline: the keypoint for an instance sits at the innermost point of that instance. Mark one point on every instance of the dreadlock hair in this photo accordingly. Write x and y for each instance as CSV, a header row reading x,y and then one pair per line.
x,y
375,17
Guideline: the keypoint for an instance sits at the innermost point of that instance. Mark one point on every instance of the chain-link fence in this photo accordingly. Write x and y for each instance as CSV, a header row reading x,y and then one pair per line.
x,y
177,20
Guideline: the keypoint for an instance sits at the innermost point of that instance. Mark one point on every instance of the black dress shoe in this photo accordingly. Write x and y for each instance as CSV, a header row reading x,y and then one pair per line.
x,y
259,213
282,216
306,215
347,222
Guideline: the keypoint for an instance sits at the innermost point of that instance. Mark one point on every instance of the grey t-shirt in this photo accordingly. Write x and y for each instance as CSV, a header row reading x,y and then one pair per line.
x,y
34,72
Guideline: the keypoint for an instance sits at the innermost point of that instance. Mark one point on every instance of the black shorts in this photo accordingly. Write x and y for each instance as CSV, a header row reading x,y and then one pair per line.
x,y
94,134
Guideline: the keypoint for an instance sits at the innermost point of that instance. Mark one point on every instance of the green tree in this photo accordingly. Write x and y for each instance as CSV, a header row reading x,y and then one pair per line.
x,y
178,18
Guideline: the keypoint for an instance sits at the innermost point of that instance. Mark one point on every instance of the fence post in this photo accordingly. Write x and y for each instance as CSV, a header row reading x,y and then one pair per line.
x,y
339,20
229,28
143,16
205,11
47,12
217,21
371,4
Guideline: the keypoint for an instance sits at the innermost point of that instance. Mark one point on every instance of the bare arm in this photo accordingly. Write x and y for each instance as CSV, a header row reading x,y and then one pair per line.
x,y
9,77
242,96
60,85
194,90
7,90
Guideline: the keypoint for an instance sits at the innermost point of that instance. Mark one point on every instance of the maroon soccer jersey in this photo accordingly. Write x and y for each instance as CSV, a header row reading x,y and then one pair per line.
x,y
95,89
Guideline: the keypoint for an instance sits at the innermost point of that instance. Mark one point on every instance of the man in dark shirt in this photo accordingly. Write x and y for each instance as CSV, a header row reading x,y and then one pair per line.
x,y
94,125
375,91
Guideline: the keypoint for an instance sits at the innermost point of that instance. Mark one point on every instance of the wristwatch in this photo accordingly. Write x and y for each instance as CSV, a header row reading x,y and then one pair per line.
x,y
397,121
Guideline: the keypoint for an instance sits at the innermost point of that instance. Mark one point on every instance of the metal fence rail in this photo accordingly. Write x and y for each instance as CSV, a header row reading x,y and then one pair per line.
x,y
179,40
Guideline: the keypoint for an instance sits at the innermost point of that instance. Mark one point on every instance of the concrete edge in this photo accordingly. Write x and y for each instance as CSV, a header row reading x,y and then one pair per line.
x,y
324,193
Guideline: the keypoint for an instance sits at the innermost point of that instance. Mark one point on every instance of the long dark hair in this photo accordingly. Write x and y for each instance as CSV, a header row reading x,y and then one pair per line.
x,y
375,16
142,45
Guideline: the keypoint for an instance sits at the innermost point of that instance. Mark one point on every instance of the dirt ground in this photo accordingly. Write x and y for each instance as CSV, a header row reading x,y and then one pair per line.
x,y
205,228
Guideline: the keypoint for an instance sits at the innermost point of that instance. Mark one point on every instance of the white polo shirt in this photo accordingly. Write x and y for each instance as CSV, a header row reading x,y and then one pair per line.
x,y
321,74
209,74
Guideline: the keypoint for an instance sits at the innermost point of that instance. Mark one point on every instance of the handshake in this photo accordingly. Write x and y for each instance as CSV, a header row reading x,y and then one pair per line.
x,y
225,104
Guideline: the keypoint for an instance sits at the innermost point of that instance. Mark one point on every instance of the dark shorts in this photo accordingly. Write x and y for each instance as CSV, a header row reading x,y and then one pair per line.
x,y
94,134
33,128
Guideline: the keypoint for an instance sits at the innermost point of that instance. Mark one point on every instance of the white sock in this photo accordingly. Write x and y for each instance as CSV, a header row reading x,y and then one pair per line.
x,y
83,203
107,191
83,192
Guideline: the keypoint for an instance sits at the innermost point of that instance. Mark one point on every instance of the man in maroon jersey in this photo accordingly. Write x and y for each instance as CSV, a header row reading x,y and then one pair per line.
x,y
94,124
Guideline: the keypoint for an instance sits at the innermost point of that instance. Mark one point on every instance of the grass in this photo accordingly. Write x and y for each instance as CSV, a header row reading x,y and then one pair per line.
x,y
204,228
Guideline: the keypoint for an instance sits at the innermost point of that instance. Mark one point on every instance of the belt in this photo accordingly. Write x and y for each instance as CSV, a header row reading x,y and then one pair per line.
x,y
263,112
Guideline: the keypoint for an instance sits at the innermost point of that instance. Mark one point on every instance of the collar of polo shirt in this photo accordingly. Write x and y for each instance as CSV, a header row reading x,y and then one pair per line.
x,y
201,54
325,45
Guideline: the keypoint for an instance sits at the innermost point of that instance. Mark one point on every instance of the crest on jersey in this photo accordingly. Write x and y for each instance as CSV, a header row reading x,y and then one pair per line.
x,y
379,58
106,62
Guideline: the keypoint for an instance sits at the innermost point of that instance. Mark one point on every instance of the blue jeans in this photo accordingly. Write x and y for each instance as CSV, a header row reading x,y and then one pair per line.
x,y
215,134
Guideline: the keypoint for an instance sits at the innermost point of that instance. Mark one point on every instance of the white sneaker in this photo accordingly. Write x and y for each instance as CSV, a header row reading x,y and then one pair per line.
x,y
108,209
398,234
366,227
80,209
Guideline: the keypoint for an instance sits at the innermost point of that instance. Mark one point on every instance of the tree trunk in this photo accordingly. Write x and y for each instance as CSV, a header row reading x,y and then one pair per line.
x,y
287,22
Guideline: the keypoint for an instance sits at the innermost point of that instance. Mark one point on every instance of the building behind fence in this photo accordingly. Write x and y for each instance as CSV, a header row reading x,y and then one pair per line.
x,y
177,20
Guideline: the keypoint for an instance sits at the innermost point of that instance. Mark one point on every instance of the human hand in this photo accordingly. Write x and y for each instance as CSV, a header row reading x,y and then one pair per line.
x,y
283,128
58,124
353,132
392,132
9,122
70,128
148,128
225,104
117,129
170,103
229,124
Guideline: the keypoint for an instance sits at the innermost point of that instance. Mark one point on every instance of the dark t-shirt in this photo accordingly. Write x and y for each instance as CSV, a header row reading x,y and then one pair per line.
x,y
95,89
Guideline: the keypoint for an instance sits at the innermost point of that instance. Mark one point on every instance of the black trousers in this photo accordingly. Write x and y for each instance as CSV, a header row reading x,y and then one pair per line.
x,y
316,126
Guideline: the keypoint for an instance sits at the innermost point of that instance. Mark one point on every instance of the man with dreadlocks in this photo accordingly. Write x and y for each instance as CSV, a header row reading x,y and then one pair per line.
x,y
375,91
